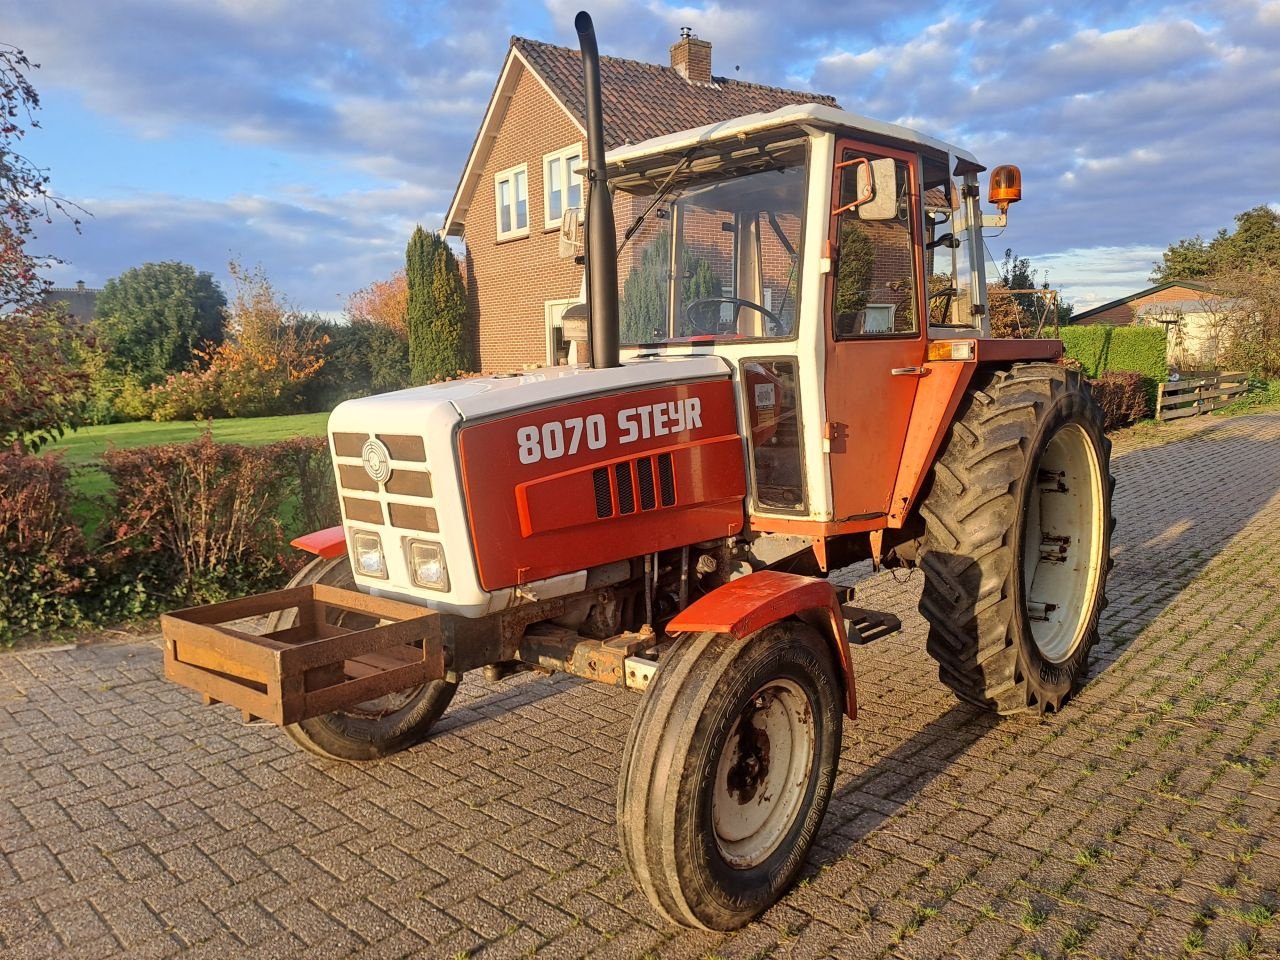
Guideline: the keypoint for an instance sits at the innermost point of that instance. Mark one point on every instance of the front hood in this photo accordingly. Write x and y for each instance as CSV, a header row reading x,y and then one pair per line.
x,y
423,498
477,398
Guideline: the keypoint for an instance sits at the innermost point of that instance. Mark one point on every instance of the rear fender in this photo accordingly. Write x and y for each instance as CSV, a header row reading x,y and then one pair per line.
x,y
327,543
942,386
743,606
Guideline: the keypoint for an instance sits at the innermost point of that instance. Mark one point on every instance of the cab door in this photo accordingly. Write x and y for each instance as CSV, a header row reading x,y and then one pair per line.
x,y
875,339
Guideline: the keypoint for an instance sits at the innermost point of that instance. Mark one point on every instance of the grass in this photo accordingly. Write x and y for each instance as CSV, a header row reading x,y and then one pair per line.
x,y
1262,396
87,445
82,449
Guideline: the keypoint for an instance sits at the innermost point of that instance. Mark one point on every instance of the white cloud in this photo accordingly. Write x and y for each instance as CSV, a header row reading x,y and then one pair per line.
x,y
1090,277
1134,126
317,249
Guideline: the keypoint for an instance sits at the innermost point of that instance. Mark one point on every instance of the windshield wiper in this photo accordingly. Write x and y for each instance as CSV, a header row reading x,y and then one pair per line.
x,y
657,199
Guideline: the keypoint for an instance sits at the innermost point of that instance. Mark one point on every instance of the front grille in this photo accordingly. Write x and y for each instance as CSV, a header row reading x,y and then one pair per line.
x,y
406,493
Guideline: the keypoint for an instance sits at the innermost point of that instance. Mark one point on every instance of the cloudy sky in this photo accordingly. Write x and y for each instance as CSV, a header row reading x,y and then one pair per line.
x,y
311,137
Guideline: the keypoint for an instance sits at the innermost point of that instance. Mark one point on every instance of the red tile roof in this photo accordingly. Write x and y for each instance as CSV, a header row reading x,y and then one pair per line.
x,y
644,100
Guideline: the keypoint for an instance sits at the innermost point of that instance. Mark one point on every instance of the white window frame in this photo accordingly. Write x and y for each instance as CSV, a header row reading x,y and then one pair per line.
x,y
560,157
553,313
509,176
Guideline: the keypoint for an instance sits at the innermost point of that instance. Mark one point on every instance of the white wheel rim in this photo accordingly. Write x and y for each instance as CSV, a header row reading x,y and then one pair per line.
x,y
1062,543
762,773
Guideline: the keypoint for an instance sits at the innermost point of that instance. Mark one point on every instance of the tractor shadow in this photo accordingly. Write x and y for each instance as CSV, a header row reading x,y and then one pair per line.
x,y
889,784
1178,506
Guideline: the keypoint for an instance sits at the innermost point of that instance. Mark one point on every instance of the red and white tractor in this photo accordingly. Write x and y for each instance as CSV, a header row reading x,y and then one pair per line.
x,y
817,386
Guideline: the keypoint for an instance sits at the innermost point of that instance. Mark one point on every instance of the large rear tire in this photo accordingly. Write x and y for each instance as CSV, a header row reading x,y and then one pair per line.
x,y
378,728
1017,540
727,772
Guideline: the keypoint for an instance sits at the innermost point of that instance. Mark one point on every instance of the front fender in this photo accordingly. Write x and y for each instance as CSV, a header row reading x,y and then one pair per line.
x,y
748,604
327,543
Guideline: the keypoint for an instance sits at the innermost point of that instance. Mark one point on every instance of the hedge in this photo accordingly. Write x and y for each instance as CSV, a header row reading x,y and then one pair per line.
x,y
1102,349
187,523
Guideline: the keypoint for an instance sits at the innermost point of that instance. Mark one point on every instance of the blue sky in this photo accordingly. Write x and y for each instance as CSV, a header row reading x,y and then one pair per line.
x,y
311,137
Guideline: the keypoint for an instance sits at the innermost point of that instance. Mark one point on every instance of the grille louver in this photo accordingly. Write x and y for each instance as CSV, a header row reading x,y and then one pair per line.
x,y
632,478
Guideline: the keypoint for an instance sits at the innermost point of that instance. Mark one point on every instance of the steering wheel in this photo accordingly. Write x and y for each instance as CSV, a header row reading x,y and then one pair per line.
x,y
779,325
947,293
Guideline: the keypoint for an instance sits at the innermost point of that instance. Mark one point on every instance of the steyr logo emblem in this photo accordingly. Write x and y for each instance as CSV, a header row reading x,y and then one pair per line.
x,y
377,460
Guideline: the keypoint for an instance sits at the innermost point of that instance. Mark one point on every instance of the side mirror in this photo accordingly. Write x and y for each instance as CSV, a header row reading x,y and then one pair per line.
x,y
571,233
868,188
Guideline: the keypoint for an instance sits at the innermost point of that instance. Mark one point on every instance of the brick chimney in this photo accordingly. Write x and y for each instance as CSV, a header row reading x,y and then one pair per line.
x,y
691,57
79,284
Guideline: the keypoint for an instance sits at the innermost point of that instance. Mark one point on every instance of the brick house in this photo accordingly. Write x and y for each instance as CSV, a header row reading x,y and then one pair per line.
x,y
1122,312
1191,313
80,302
521,175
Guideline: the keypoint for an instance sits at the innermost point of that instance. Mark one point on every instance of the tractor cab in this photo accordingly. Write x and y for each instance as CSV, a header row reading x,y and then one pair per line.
x,y
829,259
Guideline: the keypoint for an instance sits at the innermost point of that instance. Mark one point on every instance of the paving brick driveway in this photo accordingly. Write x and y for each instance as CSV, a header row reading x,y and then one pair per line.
x,y
1140,822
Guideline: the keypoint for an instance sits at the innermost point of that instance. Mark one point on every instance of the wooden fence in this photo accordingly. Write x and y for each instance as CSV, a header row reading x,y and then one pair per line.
x,y
1196,395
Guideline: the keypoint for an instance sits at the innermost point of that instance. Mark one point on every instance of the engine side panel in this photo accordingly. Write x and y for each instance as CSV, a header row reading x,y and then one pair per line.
x,y
579,484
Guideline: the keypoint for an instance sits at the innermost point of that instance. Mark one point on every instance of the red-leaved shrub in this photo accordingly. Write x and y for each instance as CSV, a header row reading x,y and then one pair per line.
x,y
43,561
1123,398
199,520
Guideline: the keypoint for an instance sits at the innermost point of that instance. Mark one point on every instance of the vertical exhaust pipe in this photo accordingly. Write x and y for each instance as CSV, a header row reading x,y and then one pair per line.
x,y
602,236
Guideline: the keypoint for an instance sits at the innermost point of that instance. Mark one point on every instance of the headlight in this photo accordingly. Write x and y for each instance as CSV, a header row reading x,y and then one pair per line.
x,y
368,551
426,565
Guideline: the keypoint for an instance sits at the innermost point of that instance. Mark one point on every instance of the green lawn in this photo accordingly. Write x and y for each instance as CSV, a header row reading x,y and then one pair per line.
x,y
82,449
86,445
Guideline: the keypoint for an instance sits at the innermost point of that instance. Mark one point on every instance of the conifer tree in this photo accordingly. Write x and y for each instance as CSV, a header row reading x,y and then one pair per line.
x,y
437,309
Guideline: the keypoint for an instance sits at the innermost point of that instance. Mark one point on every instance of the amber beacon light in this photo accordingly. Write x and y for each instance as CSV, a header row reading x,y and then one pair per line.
x,y
1005,187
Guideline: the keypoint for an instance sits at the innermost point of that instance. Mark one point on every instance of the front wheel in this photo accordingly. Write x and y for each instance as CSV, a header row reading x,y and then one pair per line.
x,y
727,772
377,728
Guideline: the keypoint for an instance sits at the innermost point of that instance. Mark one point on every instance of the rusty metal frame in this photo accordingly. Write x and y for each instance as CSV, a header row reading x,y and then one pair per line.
x,y
306,670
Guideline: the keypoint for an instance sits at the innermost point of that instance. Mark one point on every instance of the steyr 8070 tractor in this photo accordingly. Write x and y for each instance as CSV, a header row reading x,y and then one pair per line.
x,y
816,385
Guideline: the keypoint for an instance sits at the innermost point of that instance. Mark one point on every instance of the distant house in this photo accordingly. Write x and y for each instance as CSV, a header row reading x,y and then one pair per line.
x,y
1122,312
1192,314
80,302
522,175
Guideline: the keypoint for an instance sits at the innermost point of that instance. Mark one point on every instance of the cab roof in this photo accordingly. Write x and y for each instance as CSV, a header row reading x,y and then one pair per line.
x,y
806,118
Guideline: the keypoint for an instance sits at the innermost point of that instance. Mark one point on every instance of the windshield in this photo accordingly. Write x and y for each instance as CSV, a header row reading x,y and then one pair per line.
x,y
716,259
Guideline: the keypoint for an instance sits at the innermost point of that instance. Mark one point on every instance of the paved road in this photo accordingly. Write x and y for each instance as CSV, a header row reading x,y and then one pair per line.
x,y
1140,822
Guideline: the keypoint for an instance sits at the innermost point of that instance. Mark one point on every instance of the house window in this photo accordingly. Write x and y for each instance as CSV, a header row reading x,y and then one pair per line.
x,y
512,190
563,185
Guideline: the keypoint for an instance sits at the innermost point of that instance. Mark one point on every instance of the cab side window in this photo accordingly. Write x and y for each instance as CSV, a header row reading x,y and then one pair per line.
x,y
874,288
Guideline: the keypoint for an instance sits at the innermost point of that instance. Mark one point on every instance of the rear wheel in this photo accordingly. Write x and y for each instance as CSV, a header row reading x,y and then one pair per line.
x,y
376,728
727,772
1017,543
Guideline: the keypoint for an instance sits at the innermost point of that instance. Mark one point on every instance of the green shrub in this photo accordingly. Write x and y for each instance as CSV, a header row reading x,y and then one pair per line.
x,y
1103,349
1122,398
1261,393
307,471
43,560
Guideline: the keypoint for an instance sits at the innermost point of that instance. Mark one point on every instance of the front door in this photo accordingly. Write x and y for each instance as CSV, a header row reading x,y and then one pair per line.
x,y
875,341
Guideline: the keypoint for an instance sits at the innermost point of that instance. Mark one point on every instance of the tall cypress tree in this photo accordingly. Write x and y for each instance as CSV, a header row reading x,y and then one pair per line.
x,y
437,309
417,271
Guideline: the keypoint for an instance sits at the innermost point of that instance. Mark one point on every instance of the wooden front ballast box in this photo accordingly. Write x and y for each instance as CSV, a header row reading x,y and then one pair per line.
x,y
308,669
